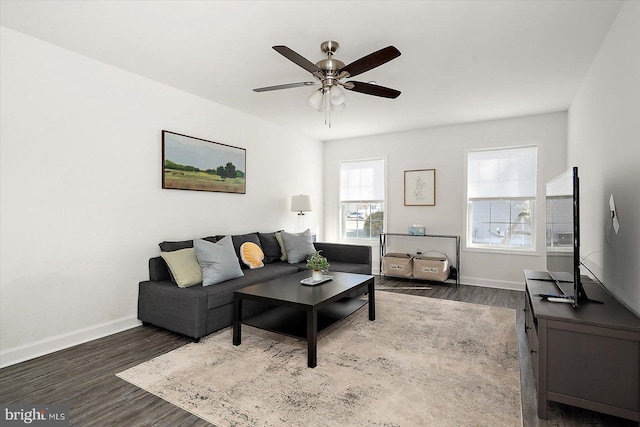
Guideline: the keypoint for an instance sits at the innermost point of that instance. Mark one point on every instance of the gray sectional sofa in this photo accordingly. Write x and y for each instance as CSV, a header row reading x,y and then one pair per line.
x,y
198,310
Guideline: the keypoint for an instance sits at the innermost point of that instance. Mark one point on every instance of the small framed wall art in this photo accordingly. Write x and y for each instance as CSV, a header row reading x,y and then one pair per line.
x,y
190,163
420,187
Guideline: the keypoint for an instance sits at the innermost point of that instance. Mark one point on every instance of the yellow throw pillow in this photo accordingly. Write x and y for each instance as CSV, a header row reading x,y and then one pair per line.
x,y
184,266
283,251
251,255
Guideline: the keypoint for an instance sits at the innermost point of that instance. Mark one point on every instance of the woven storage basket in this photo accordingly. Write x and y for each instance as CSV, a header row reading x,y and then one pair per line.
x,y
397,265
431,268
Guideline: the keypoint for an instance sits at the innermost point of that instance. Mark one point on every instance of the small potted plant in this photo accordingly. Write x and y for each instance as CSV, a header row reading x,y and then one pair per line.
x,y
318,264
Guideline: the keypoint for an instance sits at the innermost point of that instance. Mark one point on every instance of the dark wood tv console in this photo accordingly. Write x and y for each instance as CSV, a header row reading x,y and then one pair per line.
x,y
587,356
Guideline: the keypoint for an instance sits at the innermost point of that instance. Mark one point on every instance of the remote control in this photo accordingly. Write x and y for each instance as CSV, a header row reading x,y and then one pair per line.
x,y
545,296
563,299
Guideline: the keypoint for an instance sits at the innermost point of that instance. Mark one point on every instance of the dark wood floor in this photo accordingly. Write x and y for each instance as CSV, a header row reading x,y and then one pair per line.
x,y
83,377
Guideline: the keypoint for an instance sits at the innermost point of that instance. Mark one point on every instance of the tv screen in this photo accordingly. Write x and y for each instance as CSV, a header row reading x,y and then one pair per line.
x,y
563,234
560,236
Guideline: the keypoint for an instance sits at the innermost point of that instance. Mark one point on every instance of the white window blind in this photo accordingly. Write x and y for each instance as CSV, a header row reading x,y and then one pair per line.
x,y
361,199
362,180
502,173
501,196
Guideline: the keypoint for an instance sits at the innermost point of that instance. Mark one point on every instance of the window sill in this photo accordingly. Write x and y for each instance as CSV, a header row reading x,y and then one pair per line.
x,y
503,251
364,242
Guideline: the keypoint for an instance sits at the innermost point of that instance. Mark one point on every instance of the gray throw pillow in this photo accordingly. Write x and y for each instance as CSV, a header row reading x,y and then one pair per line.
x,y
298,246
218,260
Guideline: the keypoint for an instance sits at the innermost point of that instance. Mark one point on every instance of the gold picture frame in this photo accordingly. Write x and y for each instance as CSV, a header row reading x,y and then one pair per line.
x,y
420,187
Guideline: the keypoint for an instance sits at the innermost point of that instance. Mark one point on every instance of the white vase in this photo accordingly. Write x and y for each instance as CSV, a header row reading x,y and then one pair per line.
x,y
317,275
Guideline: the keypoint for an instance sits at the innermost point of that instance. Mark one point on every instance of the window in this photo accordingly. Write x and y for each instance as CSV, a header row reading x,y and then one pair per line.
x,y
361,199
501,196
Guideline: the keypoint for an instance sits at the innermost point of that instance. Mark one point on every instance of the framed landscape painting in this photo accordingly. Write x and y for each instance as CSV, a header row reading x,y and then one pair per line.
x,y
420,187
190,163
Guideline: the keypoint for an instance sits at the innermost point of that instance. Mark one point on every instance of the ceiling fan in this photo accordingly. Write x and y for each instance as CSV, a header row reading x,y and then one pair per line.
x,y
330,74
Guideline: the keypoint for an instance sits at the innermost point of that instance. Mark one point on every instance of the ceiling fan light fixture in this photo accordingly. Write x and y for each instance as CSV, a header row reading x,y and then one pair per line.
x,y
338,107
337,95
315,100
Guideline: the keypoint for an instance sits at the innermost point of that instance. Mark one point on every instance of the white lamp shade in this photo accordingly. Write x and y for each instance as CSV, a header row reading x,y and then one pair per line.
x,y
315,100
301,203
337,95
338,107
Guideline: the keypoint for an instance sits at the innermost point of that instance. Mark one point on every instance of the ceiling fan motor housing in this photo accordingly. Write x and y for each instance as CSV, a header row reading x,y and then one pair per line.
x,y
330,65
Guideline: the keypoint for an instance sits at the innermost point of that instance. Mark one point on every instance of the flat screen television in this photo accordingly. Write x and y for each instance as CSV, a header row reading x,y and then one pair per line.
x,y
563,235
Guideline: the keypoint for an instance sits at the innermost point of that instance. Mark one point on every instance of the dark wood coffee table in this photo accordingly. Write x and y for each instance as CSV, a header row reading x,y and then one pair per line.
x,y
322,306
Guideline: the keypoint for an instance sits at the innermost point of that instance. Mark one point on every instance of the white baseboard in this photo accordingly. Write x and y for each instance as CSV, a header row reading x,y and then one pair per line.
x,y
49,345
488,283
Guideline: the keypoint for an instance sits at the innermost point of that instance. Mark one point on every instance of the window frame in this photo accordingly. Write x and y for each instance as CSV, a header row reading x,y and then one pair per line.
x,y
533,210
374,240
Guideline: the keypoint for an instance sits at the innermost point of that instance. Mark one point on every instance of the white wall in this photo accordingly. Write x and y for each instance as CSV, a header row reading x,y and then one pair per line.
x,y
82,207
604,142
444,149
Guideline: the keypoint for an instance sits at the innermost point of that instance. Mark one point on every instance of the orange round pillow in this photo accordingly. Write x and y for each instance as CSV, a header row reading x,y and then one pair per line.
x,y
252,255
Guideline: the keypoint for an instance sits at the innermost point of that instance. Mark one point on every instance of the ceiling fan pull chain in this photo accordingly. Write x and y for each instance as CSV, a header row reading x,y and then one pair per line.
x,y
327,111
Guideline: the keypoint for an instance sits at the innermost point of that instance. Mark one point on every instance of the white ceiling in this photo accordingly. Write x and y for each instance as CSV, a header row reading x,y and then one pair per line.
x,y
462,61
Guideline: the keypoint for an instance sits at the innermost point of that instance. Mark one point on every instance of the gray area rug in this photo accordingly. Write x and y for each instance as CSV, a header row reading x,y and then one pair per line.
x,y
422,362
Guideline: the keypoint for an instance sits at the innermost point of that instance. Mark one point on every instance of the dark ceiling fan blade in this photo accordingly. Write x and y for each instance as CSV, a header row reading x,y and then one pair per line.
x,y
371,61
285,86
371,89
297,59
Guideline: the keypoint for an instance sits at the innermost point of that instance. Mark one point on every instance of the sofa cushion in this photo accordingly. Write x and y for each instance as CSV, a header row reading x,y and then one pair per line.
x,y
347,267
251,255
222,293
298,246
218,260
184,266
175,246
270,246
183,244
